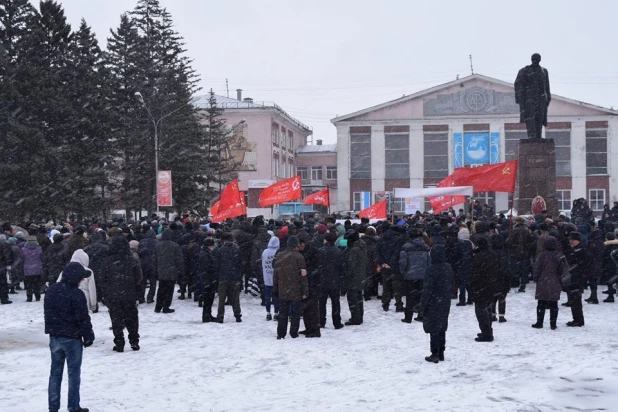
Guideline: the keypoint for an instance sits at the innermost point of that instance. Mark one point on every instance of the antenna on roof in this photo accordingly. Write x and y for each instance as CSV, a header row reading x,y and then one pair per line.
x,y
227,87
471,66
457,78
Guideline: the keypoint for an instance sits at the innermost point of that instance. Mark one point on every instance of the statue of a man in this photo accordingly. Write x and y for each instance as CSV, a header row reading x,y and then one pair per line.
x,y
533,96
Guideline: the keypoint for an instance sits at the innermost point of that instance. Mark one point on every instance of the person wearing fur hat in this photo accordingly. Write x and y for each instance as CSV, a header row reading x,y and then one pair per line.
x,y
290,286
228,266
69,328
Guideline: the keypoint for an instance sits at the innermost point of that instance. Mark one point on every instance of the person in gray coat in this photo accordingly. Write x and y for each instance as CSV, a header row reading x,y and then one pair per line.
x,y
413,262
547,273
168,265
435,303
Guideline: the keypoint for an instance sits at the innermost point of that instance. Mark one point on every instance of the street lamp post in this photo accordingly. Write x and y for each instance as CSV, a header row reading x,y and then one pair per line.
x,y
155,123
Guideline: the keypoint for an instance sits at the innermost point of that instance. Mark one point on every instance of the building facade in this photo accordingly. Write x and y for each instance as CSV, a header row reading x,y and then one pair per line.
x,y
263,140
317,167
418,140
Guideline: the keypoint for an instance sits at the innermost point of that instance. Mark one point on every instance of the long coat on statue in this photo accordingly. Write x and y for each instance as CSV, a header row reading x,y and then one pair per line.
x,y
532,92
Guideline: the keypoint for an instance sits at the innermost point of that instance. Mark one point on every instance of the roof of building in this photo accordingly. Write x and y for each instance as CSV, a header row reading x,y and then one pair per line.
x,y
455,82
230,103
317,148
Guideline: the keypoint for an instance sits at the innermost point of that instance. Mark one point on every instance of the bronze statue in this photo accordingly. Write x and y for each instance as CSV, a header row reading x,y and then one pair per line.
x,y
533,96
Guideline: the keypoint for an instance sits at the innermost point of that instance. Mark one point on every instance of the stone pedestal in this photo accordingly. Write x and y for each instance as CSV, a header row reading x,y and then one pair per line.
x,y
536,175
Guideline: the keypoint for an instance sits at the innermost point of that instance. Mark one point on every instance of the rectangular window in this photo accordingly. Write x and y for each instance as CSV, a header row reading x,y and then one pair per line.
x,y
596,151
284,135
360,154
331,172
399,205
274,166
511,143
596,199
302,171
357,198
316,173
397,155
564,200
274,133
435,155
283,169
562,139
290,140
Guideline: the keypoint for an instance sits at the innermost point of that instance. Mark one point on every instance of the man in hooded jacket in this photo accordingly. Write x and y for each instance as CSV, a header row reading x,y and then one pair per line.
x,y
120,277
69,328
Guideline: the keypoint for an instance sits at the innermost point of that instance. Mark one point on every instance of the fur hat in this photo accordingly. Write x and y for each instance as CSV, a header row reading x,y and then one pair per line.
x,y
575,236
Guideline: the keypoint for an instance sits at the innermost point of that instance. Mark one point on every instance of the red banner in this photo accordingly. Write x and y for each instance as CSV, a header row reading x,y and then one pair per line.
x,y
230,195
442,203
280,192
500,177
219,215
164,188
377,211
318,198
214,209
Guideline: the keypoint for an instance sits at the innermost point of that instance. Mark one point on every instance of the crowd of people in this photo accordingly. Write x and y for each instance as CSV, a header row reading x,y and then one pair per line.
x,y
421,261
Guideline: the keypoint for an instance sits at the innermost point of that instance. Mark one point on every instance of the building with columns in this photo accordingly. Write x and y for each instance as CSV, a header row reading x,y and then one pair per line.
x,y
418,140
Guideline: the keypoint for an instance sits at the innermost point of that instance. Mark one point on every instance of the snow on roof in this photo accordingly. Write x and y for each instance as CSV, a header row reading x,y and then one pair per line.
x,y
229,103
317,148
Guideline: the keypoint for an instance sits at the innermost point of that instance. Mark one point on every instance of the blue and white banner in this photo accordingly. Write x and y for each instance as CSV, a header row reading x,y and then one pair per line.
x,y
365,199
495,148
476,148
458,150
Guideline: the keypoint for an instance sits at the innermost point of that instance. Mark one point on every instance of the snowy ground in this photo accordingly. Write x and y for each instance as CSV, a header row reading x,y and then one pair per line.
x,y
185,365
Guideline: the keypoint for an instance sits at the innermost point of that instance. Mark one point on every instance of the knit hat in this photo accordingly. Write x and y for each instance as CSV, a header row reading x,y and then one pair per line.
x,y
463,234
293,241
321,228
283,232
7,226
134,244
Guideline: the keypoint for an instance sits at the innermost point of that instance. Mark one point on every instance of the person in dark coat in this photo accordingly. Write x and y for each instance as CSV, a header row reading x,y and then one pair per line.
x,y
483,285
119,277
354,269
413,262
594,263
547,274
146,251
207,278
311,305
435,303
388,249
463,263
290,286
244,240
260,244
331,274
519,246
77,241
68,325
228,266
371,277
576,256
97,252
609,267
504,279
55,258
168,265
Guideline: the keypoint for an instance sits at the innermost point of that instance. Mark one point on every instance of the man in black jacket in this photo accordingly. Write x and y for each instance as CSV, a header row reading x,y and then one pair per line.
x,y
576,257
68,324
146,251
97,251
330,258
207,278
6,260
388,249
229,264
119,277
311,305
168,265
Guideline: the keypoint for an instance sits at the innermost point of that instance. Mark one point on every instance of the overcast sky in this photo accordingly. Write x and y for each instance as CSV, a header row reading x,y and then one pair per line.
x,y
318,59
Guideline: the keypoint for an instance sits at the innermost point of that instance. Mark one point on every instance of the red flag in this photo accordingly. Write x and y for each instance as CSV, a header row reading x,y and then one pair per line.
x,y
214,209
230,195
318,198
500,177
377,211
441,203
237,210
280,192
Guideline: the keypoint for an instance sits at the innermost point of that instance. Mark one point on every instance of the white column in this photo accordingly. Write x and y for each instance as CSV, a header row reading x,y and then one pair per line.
x,y
502,198
417,150
578,160
612,153
343,168
378,158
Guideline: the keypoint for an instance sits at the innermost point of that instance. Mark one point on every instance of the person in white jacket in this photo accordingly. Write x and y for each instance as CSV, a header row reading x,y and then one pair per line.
x,y
87,285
